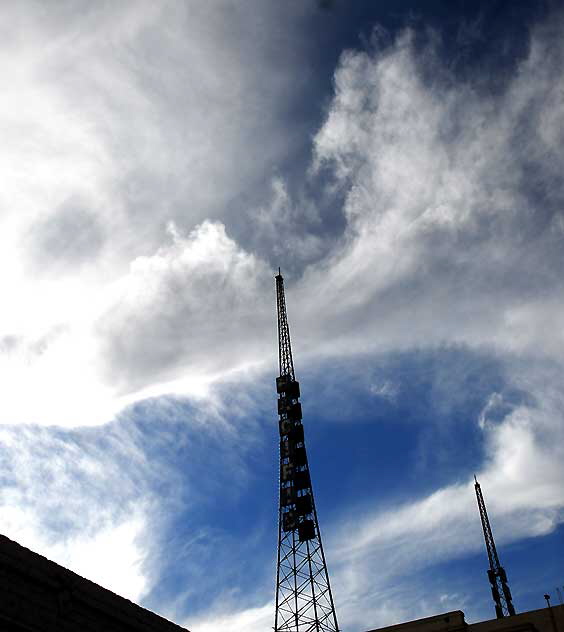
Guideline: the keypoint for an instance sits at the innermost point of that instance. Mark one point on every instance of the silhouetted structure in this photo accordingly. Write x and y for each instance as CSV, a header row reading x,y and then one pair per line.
x,y
37,595
304,602
542,620
496,573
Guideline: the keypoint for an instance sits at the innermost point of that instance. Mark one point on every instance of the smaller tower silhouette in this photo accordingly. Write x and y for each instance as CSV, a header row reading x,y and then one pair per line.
x,y
496,573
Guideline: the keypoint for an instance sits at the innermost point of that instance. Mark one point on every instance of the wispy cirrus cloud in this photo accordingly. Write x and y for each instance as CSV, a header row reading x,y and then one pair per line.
x,y
453,202
133,272
82,501
521,475
117,123
450,228
99,500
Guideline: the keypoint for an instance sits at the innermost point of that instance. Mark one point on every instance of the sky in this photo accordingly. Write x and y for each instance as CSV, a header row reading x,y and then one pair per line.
x,y
402,163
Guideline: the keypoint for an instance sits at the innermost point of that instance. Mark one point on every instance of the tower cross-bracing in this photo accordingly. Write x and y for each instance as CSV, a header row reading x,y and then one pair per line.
x,y
496,573
304,602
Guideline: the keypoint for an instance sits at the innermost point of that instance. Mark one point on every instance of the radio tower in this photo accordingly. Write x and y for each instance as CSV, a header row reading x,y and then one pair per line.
x,y
496,573
304,602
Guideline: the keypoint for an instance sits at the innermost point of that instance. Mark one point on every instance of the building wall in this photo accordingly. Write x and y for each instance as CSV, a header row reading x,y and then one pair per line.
x,y
447,622
37,595
543,620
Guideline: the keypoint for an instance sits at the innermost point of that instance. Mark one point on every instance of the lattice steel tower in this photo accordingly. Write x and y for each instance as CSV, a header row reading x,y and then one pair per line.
x,y
304,602
496,573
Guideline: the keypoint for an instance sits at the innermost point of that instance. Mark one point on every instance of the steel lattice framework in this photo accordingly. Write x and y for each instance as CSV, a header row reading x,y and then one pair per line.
x,y
496,573
304,602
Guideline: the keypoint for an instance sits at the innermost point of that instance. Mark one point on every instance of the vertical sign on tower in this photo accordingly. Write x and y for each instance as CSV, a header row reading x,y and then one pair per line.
x,y
496,573
304,602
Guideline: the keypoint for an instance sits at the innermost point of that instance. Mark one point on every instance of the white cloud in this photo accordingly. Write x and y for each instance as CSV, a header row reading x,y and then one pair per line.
x,y
196,307
448,236
111,556
118,121
522,480
386,390
453,202
250,620
193,310
143,117
288,231
85,502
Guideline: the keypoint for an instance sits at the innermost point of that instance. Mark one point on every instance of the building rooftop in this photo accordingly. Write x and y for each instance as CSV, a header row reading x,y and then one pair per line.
x,y
542,620
39,595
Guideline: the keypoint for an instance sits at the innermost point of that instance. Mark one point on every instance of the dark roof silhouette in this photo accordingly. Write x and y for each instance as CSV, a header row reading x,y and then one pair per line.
x,y
38,595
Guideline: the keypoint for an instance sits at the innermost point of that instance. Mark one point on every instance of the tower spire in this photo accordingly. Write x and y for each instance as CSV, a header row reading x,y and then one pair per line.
x,y
304,602
496,573
285,360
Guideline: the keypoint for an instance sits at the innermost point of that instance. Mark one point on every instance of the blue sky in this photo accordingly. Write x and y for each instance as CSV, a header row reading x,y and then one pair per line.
x,y
402,162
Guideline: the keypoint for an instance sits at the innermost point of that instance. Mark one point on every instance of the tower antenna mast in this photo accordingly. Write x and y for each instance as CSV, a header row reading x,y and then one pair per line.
x,y
496,573
304,602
